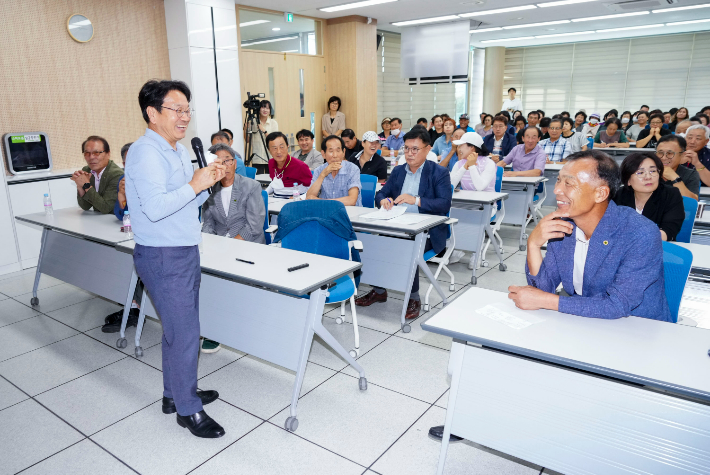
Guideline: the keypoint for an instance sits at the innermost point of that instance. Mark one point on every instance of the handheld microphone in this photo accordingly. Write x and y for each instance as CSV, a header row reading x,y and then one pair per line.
x,y
200,155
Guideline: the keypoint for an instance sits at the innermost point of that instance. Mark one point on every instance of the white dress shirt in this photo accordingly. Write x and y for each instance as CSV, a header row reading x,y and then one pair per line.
x,y
226,195
514,105
580,259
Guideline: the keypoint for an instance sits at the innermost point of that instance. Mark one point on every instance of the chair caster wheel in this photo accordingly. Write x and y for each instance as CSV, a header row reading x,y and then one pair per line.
x,y
406,328
474,280
523,247
121,343
484,263
139,352
339,320
425,307
34,301
291,424
363,384
452,287
355,352
502,267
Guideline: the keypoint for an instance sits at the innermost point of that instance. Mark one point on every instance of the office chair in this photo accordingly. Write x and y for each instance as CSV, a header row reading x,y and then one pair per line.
x,y
495,222
676,268
691,207
430,256
251,173
538,200
269,230
369,188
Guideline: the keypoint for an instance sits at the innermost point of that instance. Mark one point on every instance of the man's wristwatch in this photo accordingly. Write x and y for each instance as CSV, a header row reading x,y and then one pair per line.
x,y
677,180
86,186
416,200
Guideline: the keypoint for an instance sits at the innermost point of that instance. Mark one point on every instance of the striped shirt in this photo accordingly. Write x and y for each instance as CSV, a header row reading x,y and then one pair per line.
x,y
347,177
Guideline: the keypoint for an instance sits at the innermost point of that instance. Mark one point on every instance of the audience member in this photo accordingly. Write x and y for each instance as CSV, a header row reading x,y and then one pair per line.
x,y
97,182
542,113
369,161
666,118
697,155
333,121
423,122
528,158
704,119
338,179
421,186
396,139
223,138
682,127
512,104
486,127
517,114
591,128
565,114
385,130
632,133
576,141
648,138
307,154
544,125
231,136
580,119
267,125
121,205
695,120
437,129
287,175
644,108
608,258
352,145
612,114
625,119
612,136
499,143
556,147
670,150
218,137
443,146
704,110
680,115
463,123
533,121
644,191
520,123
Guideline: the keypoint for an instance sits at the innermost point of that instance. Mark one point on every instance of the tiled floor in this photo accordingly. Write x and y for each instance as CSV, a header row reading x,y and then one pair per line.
x,y
72,403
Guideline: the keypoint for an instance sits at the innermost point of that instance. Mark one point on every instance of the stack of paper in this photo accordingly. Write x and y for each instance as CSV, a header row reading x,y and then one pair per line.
x,y
382,213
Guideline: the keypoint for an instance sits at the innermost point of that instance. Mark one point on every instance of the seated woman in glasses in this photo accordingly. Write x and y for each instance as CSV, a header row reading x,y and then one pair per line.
x,y
648,195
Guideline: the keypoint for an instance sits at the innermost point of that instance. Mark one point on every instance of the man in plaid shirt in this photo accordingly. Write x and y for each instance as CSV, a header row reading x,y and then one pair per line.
x,y
556,147
337,179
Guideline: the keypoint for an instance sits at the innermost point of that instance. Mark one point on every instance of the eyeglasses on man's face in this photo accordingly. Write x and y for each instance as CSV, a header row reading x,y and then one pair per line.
x,y
182,112
666,153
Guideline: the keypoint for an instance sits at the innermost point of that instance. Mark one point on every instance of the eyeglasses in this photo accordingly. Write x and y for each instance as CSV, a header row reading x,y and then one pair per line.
x,y
667,153
652,172
91,154
413,150
227,162
182,112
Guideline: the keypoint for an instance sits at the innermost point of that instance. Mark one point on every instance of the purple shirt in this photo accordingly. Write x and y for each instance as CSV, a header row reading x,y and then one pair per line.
x,y
523,162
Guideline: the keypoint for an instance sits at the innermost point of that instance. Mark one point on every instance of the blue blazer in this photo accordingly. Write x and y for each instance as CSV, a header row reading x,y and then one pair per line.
x,y
623,274
507,145
434,192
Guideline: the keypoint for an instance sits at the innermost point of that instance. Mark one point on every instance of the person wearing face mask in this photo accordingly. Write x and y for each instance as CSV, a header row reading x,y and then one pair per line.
x,y
592,127
395,141
369,161
625,120
338,179
287,174
648,138
612,136
643,191
641,120
670,150
267,125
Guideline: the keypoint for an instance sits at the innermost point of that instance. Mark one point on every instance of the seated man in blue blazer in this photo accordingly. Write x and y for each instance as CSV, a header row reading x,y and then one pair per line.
x,y
500,142
423,187
608,258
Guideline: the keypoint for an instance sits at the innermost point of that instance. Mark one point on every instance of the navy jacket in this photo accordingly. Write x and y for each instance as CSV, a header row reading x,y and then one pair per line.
x,y
506,146
623,274
434,192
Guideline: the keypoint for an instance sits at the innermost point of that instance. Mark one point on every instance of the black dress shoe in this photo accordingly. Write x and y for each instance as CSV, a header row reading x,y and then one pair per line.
x,y
201,425
206,397
438,433
115,324
115,316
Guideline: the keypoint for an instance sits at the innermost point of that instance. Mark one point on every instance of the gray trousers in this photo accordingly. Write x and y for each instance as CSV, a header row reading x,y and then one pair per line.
x,y
171,276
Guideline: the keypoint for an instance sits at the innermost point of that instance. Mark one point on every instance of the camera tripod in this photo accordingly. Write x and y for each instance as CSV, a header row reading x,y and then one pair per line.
x,y
251,128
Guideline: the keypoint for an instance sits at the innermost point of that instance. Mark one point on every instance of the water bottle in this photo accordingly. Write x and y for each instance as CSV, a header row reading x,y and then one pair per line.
x,y
48,210
296,194
127,225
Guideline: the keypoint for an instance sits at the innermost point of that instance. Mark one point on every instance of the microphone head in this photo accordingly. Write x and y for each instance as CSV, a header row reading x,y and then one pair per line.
x,y
196,143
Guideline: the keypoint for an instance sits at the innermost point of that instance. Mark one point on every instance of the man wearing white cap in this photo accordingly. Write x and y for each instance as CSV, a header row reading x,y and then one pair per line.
x,y
368,160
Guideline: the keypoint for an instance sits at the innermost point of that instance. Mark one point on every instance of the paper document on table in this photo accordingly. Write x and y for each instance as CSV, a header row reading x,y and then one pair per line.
x,y
386,214
411,218
513,321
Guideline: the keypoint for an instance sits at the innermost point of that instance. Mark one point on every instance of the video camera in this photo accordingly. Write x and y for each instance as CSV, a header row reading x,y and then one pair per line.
x,y
253,104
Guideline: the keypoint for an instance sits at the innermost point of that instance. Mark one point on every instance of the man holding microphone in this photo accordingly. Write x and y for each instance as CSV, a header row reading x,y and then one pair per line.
x,y
164,194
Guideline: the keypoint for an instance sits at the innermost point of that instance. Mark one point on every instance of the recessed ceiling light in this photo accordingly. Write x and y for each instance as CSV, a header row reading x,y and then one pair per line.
x,y
677,9
518,18
532,25
550,29
606,17
425,20
609,30
509,39
273,40
276,29
566,34
348,6
562,2
291,51
483,30
255,22
499,10
687,22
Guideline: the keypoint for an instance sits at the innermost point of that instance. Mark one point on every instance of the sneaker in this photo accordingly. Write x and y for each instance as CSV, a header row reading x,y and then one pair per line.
x,y
471,261
456,256
210,346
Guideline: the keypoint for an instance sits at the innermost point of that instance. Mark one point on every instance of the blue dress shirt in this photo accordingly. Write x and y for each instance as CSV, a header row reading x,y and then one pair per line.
x,y
411,186
347,177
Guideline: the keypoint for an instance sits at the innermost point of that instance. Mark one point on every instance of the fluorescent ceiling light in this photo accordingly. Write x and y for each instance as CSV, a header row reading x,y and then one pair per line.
x,y
273,40
531,25
566,34
677,9
499,10
483,30
677,23
255,22
348,6
562,2
425,20
609,30
509,39
606,17
290,51
276,29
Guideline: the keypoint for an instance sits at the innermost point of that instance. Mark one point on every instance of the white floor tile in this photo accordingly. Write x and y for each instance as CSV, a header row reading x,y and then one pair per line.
x,y
410,368
103,397
3,297
286,454
151,336
21,447
261,388
322,354
87,314
31,334
422,336
381,316
206,363
434,297
358,425
24,283
56,297
516,262
500,281
416,452
9,394
30,270
81,458
55,364
12,311
443,401
154,444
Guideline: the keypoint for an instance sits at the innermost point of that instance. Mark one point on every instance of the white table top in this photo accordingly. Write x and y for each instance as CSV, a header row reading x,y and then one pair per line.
x,y
523,180
270,268
91,225
263,178
660,354
701,254
40,176
483,197
705,191
548,166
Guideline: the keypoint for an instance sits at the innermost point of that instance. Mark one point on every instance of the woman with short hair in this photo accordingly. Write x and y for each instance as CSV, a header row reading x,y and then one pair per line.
x,y
612,136
333,121
580,118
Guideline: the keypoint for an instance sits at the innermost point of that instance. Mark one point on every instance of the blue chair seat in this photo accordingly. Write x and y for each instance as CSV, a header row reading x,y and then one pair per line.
x,y
342,290
536,198
429,254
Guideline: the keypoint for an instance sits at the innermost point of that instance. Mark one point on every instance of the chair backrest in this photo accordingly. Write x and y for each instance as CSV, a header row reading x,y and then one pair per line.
x,y
314,238
590,142
369,186
265,197
691,207
499,184
676,268
251,173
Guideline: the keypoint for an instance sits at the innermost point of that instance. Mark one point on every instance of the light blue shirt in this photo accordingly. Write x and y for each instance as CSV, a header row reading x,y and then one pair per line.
x,y
164,208
442,148
347,177
411,186
395,143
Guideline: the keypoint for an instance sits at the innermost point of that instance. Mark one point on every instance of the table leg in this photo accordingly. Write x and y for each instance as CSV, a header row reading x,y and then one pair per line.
x,y
494,243
38,273
456,363
484,223
417,253
121,342
526,209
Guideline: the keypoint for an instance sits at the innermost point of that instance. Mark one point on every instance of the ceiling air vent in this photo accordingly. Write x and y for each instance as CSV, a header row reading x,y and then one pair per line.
x,y
635,5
